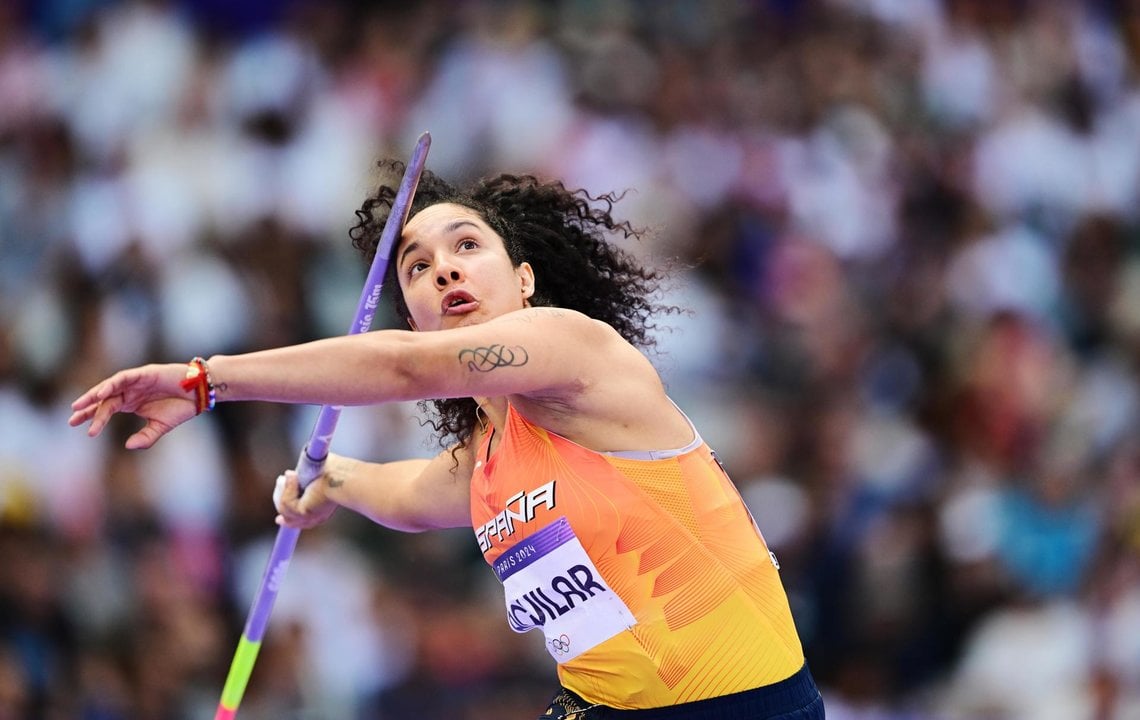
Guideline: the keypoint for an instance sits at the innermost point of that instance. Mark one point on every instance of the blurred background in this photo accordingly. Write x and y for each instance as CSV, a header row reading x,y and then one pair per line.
x,y
906,229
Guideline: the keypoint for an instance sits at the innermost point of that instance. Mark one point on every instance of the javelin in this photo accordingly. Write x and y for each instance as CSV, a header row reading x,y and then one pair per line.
x,y
311,462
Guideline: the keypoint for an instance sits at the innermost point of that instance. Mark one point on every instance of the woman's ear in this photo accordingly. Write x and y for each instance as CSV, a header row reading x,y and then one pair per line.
x,y
526,279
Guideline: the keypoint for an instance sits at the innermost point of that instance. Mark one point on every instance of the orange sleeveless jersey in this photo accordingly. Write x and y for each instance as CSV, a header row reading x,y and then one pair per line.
x,y
669,536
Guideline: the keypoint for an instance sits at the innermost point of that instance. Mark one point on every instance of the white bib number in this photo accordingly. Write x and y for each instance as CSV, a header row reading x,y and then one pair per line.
x,y
551,583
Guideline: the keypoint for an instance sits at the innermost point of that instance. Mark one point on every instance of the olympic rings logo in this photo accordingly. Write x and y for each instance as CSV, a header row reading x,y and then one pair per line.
x,y
560,645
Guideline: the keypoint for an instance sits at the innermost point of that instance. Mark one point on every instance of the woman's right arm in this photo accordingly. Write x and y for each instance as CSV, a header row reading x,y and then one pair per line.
x,y
408,495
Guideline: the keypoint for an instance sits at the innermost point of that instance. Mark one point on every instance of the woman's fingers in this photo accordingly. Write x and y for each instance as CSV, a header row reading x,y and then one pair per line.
x,y
100,391
89,404
81,416
287,499
298,508
86,400
153,392
104,410
148,435
99,403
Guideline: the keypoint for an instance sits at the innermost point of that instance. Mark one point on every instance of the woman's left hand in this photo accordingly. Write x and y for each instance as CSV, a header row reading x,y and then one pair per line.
x,y
153,392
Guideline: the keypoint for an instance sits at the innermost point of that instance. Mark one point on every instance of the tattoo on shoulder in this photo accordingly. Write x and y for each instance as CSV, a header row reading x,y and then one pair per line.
x,y
486,359
529,316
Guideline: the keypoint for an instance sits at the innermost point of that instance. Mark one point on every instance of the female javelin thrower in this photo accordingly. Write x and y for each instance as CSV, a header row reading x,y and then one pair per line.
x,y
609,521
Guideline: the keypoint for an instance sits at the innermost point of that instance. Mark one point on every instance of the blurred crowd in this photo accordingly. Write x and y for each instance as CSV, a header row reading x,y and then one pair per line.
x,y
907,232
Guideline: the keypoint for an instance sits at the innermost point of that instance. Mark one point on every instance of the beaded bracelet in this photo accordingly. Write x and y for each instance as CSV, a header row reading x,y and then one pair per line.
x,y
199,380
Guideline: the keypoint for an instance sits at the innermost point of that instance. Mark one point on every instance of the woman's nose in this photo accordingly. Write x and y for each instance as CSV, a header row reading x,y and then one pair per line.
x,y
446,276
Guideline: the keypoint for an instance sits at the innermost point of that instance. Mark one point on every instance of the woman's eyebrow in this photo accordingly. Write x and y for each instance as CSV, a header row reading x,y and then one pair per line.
x,y
456,224
410,247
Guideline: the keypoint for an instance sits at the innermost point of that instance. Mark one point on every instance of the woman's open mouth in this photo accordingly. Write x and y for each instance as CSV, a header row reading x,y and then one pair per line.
x,y
458,302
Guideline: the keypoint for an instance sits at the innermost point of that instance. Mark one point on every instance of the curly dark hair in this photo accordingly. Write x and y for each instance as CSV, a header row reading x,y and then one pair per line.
x,y
560,232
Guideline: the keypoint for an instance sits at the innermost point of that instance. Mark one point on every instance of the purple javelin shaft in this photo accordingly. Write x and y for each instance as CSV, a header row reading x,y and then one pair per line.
x,y
318,446
312,459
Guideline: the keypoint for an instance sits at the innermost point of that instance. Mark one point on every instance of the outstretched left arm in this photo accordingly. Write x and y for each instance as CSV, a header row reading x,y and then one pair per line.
x,y
536,351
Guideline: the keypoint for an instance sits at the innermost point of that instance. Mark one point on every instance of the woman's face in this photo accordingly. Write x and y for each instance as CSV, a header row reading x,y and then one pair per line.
x,y
454,270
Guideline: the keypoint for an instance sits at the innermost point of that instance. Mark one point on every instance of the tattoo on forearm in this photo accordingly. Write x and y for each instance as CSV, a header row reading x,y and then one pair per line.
x,y
334,481
486,359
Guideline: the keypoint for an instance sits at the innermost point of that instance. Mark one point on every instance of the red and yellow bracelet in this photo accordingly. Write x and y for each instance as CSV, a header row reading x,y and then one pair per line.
x,y
199,380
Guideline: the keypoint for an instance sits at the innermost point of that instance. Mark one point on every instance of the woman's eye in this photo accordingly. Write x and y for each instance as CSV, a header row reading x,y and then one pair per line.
x,y
417,267
468,244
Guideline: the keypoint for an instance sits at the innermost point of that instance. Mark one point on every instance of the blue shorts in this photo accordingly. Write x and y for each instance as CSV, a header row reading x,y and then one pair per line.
x,y
795,698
